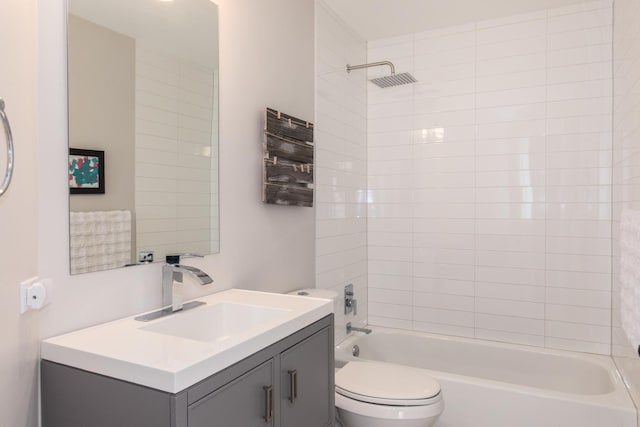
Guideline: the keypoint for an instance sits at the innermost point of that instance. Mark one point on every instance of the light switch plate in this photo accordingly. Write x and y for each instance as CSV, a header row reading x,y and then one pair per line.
x,y
145,257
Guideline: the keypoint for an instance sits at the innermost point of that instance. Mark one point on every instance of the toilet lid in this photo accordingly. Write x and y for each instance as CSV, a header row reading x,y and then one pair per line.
x,y
386,384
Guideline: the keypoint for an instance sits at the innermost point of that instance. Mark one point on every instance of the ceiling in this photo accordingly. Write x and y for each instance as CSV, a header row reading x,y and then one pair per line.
x,y
184,28
379,19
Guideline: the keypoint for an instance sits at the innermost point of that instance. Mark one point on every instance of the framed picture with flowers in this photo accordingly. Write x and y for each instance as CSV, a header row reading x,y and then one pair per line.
x,y
86,171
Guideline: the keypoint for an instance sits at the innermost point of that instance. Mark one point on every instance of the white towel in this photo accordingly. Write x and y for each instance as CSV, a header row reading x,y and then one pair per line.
x,y
630,276
99,240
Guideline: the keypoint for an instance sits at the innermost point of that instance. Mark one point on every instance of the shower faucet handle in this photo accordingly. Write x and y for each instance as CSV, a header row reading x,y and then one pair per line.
x,y
350,303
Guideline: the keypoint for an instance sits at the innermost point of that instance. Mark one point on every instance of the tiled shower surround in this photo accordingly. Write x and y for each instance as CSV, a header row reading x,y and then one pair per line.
x,y
341,164
489,181
626,163
488,208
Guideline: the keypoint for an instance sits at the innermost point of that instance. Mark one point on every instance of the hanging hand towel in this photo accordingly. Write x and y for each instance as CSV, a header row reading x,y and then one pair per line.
x,y
99,240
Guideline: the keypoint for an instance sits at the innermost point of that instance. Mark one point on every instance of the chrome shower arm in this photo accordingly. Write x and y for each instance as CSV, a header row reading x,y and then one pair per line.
x,y
386,81
372,64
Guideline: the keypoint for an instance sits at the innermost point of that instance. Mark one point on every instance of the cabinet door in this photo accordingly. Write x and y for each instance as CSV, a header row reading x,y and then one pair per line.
x,y
247,401
307,382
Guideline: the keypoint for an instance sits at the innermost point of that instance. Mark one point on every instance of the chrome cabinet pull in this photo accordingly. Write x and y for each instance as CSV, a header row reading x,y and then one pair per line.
x,y
268,403
7,133
293,381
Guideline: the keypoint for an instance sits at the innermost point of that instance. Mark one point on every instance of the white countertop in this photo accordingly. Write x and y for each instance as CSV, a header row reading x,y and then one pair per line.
x,y
123,349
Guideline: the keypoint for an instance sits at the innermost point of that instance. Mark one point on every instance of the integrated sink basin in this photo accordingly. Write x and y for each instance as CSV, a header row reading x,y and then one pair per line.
x,y
217,322
175,352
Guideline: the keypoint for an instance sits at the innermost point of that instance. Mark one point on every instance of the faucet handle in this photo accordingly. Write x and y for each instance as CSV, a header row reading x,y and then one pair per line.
x,y
175,258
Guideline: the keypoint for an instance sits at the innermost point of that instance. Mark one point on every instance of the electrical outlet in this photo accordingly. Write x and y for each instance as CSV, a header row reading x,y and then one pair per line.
x,y
35,293
145,257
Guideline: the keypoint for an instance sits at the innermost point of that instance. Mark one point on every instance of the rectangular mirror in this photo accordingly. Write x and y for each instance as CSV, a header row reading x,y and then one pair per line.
x,y
143,114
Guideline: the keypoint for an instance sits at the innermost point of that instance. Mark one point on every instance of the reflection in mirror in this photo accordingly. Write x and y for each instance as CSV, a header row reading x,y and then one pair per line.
x,y
143,83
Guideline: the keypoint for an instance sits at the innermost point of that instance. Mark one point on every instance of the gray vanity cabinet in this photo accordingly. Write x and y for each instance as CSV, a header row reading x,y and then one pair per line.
x,y
246,402
304,401
288,384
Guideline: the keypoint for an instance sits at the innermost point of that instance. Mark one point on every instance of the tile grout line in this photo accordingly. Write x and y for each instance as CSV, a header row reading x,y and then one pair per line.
x,y
546,153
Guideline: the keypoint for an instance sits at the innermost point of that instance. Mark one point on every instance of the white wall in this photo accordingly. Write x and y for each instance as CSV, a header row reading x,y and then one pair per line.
x,y
18,215
626,163
341,155
34,212
263,247
489,180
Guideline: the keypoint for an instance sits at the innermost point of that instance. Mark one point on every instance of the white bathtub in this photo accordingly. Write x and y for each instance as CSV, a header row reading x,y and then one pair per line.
x,y
488,384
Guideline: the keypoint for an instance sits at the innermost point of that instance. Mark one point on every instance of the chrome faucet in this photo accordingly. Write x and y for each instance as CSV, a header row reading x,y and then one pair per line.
x,y
172,276
353,328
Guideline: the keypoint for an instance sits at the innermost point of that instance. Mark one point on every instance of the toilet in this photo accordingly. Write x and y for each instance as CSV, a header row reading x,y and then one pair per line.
x,y
372,394
375,394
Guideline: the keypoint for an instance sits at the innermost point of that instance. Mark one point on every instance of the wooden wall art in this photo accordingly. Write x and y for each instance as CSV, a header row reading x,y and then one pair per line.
x,y
288,167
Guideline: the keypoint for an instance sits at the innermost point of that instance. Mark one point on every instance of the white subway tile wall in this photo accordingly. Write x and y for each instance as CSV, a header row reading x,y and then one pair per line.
x,y
176,189
489,181
341,164
626,163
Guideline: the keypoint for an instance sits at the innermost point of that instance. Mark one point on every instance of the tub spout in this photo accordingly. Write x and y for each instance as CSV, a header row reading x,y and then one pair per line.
x,y
353,328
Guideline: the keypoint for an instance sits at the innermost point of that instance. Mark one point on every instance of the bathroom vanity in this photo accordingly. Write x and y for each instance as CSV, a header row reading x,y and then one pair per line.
x,y
276,371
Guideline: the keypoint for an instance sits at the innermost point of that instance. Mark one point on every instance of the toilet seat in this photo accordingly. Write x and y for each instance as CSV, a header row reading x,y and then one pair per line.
x,y
388,412
374,394
387,384
388,402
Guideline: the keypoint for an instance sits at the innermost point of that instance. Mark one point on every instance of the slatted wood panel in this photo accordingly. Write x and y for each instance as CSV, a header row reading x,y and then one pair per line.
x,y
288,149
281,124
287,195
288,167
289,174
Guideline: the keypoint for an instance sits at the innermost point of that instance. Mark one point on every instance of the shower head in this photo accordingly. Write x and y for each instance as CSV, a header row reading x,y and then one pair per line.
x,y
386,81
394,80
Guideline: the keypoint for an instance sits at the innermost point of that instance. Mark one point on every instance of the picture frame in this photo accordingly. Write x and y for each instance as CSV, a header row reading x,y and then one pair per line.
x,y
86,171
